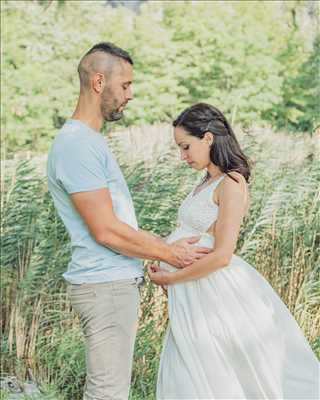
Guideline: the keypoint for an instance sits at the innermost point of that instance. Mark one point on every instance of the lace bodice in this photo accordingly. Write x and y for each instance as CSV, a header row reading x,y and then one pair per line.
x,y
198,210
195,216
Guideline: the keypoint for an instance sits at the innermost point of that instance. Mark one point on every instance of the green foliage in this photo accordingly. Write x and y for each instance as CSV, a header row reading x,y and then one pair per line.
x,y
20,204
232,54
300,109
3,395
35,251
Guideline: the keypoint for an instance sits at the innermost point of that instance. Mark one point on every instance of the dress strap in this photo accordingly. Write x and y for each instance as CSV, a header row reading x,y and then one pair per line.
x,y
217,181
214,185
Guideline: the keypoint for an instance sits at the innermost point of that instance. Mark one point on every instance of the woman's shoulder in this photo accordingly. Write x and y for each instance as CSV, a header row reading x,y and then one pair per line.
x,y
235,176
231,183
233,180
235,185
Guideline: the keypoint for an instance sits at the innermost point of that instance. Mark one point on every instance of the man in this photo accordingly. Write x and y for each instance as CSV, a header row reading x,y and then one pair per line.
x,y
93,200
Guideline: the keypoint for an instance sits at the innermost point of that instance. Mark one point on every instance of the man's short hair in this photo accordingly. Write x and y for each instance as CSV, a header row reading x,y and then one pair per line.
x,y
110,48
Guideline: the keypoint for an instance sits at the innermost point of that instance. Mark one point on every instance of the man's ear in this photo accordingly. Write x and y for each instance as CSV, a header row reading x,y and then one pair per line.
x,y
98,82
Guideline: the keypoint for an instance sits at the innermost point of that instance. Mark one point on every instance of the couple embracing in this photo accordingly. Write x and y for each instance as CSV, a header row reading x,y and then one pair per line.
x,y
229,335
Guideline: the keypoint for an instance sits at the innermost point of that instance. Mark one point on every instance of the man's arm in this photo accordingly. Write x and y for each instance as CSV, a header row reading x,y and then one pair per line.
x,y
95,208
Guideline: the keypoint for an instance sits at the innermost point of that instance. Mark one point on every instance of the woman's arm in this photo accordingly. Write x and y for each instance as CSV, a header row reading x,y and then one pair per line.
x,y
232,205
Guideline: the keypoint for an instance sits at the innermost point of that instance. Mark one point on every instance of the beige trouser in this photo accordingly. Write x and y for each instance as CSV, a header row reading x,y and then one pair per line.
x,y
109,317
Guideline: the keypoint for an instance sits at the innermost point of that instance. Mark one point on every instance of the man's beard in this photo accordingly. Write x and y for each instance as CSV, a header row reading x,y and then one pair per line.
x,y
114,116
109,107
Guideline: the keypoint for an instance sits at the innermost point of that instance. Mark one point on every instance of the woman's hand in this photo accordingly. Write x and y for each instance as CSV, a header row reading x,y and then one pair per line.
x,y
158,275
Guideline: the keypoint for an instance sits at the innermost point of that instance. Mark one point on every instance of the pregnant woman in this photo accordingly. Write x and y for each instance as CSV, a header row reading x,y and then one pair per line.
x,y
229,336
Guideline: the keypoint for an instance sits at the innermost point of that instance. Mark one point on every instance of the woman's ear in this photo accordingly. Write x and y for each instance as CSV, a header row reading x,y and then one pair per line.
x,y
208,137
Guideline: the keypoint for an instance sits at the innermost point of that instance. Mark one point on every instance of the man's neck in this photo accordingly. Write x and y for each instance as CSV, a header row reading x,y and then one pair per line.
x,y
88,114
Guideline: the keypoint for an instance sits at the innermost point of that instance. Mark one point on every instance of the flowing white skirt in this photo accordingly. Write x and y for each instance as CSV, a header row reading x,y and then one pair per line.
x,y
231,337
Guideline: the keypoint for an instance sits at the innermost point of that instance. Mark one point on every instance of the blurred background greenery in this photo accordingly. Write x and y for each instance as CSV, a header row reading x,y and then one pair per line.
x,y
256,60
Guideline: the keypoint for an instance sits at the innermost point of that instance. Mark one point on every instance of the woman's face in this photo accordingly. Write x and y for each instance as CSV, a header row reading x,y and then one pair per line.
x,y
193,150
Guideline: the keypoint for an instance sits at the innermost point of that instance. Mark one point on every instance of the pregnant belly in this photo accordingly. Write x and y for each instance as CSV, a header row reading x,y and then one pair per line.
x,y
206,240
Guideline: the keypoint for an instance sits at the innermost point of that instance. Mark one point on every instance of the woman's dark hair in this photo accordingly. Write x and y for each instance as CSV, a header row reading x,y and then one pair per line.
x,y
225,151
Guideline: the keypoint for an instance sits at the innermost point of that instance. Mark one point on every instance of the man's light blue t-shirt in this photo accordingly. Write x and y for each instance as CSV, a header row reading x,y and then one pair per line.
x,y
79,161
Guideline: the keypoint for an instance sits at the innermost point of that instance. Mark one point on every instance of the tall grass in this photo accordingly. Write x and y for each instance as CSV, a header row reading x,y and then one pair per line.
x,y
280,236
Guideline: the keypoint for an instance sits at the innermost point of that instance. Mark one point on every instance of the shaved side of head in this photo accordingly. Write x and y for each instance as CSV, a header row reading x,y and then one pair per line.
x,y
96,62
104,58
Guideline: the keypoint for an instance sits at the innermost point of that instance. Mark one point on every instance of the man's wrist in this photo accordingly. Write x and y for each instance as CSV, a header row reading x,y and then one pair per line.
x,y
166,253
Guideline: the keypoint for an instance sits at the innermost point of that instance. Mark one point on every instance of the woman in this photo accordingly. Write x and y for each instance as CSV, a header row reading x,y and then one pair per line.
x,y
230,336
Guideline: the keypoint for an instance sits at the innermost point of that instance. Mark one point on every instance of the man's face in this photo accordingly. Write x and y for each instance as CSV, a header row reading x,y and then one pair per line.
x,y
117,92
